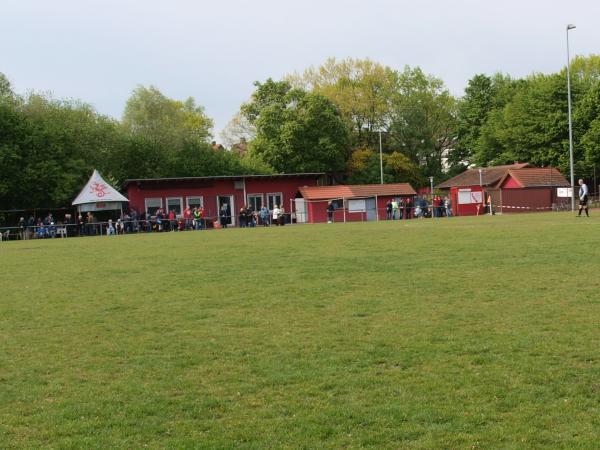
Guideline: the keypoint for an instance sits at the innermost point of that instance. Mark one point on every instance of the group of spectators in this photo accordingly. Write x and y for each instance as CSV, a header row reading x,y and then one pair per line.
x,y
249,218
399,208
403,208
193,218
441,206
41,228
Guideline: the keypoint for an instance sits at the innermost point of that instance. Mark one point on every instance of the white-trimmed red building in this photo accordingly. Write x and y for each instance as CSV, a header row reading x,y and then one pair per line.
x,y
352,202
211,193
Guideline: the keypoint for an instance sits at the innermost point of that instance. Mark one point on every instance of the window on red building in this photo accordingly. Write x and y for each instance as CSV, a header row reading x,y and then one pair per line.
x,y
152,204
175,204
255,201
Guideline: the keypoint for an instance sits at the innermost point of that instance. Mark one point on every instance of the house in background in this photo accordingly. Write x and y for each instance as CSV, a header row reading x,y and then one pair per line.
x,y
518,187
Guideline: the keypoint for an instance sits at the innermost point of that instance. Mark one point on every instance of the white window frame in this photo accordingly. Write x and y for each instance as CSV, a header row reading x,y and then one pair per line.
x,y
168,210
275,193
356,205
231,207
262,199
152,198
200,197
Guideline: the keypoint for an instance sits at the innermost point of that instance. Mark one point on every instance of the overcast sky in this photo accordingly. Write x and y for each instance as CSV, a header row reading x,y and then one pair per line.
x,y
98,51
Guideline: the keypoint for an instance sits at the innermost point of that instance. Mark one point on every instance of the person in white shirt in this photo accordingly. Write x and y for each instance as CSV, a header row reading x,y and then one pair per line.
x,y
583,198
276,213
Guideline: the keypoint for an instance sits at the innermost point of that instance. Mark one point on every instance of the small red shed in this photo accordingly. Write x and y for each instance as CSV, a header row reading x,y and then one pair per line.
x,y
352,202
469,190
531,189
147,195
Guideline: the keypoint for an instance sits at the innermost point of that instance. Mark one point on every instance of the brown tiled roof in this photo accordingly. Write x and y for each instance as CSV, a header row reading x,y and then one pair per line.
x,y
489,176
533,177
355,191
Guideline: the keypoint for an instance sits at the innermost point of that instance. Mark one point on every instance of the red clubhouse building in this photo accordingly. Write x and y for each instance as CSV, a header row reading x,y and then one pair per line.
x,y
303,195
211,193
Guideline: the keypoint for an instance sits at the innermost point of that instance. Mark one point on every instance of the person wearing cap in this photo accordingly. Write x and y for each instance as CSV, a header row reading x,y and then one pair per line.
x,y
583,198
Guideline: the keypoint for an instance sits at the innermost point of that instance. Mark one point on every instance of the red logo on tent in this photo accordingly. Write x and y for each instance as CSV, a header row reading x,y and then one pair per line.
x,y
99,189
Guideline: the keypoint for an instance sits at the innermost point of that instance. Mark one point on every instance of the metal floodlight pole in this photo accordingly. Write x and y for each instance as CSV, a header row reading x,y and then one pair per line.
x,y
380,157
570,27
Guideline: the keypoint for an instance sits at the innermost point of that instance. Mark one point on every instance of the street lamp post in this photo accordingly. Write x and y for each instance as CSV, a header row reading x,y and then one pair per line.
x,y
380,157
570,27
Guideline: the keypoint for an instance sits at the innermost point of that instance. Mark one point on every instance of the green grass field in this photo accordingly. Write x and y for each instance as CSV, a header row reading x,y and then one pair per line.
x,y
465,333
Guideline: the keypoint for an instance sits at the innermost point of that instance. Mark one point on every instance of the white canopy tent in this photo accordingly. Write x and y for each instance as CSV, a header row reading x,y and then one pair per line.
x,y
98,195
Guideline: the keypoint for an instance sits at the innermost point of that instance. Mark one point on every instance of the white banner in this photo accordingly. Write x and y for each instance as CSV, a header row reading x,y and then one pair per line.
x,y
476,197
564,192
464,196
469,197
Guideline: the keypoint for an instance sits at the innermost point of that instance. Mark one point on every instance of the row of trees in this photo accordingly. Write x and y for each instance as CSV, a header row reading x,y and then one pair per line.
x,y
49,147
330,118
424,130
333,117
501,120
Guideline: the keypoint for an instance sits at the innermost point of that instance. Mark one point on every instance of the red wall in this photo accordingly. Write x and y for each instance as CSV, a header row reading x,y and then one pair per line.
x,y
511,183
468,209
210,189
527,200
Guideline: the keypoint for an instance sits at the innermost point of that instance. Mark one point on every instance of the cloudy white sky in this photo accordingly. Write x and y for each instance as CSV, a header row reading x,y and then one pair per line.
x,y
98,51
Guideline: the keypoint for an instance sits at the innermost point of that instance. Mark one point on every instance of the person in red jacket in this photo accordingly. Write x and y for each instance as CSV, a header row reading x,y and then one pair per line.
x,y
187,217
172,221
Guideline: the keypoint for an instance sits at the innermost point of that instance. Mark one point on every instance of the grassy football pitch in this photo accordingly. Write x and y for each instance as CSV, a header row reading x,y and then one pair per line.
x,y
473,333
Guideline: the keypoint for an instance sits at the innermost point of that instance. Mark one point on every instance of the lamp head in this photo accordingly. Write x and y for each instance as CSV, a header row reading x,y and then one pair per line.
x,y
570,26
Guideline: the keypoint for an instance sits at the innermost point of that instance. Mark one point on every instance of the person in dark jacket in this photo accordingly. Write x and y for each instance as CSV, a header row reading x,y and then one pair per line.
x,y
224,215
243,218
330,210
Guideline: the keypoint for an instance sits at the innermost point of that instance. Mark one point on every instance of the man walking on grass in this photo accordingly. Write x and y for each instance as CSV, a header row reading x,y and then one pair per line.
x,y
583,198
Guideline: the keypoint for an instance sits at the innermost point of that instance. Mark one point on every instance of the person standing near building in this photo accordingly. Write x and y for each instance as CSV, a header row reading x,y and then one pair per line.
x,y
243,218
408,211
196,215
110,229
388,210
394,209
224,215
264,216
448,205
330,210
187,216
250,216
276,213
583,198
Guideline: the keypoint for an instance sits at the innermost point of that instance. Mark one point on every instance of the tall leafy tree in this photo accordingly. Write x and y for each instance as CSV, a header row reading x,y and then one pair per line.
x,y
296,131
423,120
166,121
362,90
